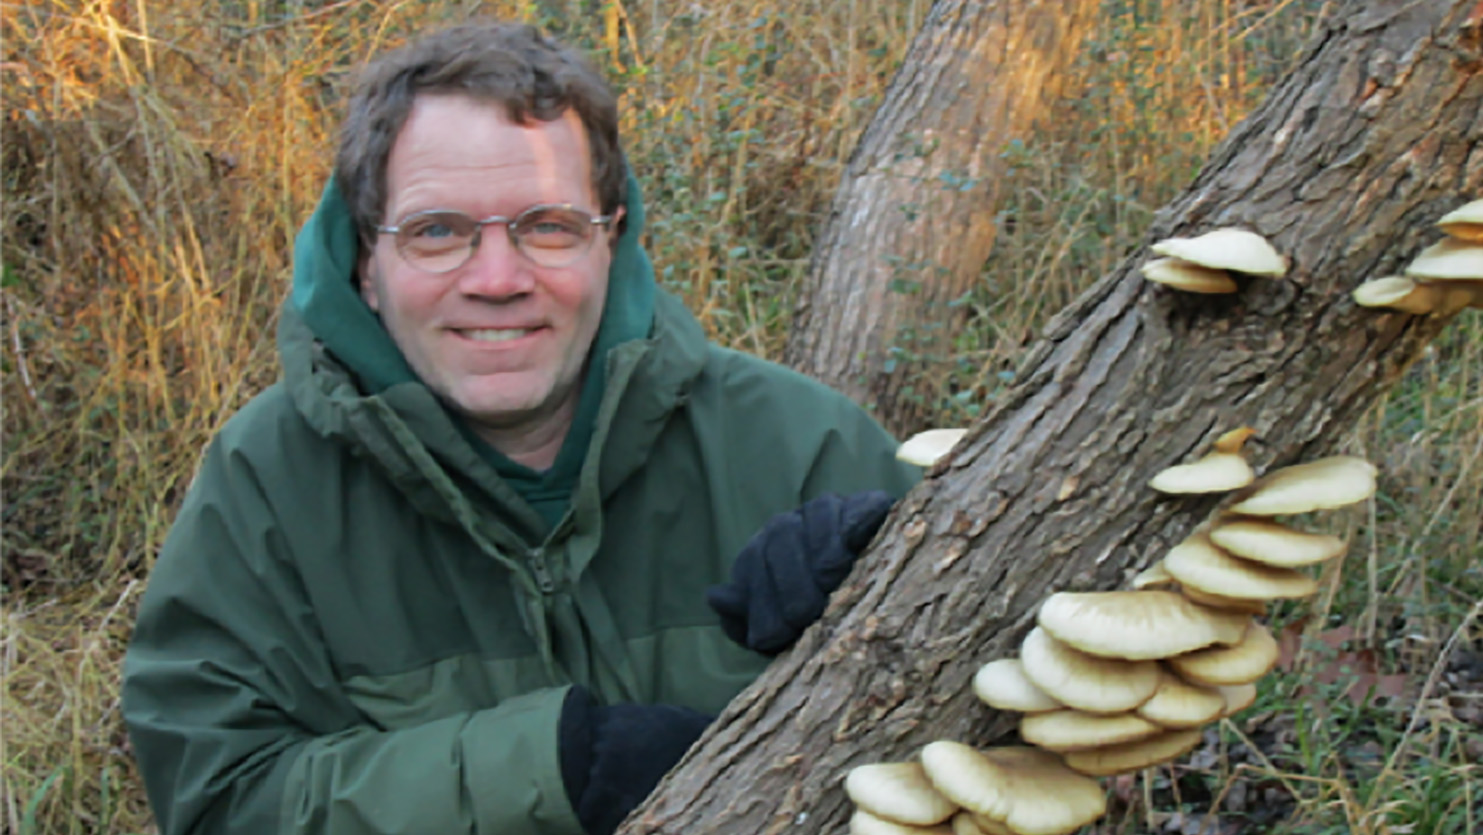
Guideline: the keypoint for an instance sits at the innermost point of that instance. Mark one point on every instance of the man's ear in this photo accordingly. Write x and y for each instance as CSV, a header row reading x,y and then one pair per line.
x,y
613,233
366,277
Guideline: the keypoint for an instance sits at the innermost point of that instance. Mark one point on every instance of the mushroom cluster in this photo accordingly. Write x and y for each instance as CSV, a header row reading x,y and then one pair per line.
x,y
1203,264
1114,682
1444,278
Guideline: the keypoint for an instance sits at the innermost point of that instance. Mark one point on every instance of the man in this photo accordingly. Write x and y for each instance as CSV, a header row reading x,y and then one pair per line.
x,y
508,532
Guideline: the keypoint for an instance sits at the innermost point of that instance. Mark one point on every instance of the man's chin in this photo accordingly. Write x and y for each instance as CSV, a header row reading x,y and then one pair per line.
x,y
511,406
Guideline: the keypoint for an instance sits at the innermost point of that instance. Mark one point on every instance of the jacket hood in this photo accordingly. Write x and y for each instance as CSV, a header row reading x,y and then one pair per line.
x,y
326,298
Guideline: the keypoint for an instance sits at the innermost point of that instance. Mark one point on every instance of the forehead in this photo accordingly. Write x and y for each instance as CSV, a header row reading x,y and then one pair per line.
x,y
461,153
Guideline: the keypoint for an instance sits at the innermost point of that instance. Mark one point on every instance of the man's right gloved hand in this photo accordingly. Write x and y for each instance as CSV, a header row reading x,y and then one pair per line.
x,y
612,756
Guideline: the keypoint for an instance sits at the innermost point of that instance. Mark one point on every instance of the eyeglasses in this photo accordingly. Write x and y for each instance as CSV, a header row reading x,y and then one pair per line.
x,y
442,240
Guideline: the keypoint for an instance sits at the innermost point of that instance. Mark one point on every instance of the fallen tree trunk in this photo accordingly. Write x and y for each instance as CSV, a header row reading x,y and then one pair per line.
x,y
1374,135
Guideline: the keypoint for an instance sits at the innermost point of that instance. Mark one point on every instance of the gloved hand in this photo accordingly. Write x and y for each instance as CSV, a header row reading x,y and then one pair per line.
x,y
613,756
782,579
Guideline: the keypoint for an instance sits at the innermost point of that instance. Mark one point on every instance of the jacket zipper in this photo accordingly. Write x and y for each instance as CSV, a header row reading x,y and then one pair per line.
x,y
536,558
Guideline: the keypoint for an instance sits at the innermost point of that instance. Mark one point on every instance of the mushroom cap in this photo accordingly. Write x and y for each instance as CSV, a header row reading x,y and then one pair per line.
x,y
1002,685
1179,704
1245,606
1471,212
1075,730
1189,277
864,823
1029,790
1399,293
1449,259
1321,484
1136,625
1081,680
1274,543
967,823
898,792
1240,664
1196,563
1226,249
1238,697
1214,473
1154,576
1132,756
925,448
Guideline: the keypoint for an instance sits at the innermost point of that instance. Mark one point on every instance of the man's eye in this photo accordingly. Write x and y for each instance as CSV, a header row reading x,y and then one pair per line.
x,y
430,229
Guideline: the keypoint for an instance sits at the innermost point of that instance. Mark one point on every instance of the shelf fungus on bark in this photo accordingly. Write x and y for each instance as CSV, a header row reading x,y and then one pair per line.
x,y
1132,756
1002,685
864,823
1238,697
1322,484
1191,278
1243,663
1236,250
1137,625
1182,704
1028,790
1198,563
1076,730
1464,223
1221,469
1273,543
925,448
1085,681
898,792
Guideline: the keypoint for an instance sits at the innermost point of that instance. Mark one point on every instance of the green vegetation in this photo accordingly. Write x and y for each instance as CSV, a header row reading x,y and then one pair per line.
x,y
158,157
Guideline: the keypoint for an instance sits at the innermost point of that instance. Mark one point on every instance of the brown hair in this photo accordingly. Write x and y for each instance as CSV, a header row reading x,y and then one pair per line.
x,y
513,65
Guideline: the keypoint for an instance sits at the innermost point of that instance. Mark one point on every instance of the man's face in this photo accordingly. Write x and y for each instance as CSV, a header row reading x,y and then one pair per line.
x,y
501,339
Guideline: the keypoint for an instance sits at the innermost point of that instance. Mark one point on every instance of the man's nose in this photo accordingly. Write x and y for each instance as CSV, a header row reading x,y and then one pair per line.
x,y
496,269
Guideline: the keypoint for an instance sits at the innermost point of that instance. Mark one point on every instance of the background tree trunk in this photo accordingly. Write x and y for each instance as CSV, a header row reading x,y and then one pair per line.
x,y
1374,135
913,220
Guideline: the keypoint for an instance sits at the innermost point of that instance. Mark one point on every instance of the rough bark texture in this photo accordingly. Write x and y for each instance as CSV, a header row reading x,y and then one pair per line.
x,y
913,221
1373,136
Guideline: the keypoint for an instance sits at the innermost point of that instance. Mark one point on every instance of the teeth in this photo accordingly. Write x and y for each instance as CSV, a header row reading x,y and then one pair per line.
x,y
496,335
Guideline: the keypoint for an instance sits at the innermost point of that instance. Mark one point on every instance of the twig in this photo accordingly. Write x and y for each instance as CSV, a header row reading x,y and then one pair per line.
x,y
290,21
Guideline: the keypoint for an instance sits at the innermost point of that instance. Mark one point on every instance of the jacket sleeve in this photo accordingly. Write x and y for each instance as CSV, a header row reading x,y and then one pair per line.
x,y
239,725
856,453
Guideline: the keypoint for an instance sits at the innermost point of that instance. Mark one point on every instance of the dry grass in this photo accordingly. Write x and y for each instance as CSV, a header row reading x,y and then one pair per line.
x,y
158,157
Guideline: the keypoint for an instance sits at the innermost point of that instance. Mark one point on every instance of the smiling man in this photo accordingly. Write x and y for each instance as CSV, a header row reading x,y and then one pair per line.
x,y
509,531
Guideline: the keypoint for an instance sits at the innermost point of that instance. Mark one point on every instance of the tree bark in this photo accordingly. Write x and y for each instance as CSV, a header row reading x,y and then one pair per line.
x,y
913,221
1374,135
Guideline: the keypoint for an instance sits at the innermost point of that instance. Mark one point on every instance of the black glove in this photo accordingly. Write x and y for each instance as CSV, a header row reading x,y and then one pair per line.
x,y
612,757
782,579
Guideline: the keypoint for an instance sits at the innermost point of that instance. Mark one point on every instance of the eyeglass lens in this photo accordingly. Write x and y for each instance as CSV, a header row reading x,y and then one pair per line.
x,y
440,241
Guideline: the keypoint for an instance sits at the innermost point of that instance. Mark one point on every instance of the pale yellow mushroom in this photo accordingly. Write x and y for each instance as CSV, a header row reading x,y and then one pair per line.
x,y
1002,685
1226,249
1088,682
1321,484
926,447
898,792
1132,756
1191,278
1029,790
1136,625
1179,704
1243,663
1198,564
1075,730
1465,222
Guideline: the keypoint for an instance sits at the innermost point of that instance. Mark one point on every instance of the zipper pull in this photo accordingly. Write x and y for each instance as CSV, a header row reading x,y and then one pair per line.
x,y
536,559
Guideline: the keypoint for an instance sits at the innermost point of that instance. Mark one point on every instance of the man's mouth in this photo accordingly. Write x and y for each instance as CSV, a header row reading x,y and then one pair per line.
x,y
497,334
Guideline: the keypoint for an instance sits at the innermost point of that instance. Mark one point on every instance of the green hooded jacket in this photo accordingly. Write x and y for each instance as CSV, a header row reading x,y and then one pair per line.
x,y
357,625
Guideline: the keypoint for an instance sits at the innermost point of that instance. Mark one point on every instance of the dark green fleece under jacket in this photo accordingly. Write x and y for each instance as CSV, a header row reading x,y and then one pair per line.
x,y
357,626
